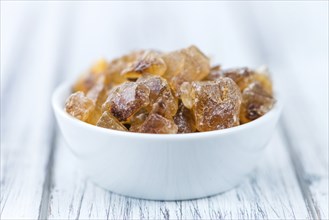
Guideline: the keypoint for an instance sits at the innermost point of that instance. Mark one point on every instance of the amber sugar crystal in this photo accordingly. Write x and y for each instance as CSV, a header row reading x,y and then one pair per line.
x,y
149,91
215,104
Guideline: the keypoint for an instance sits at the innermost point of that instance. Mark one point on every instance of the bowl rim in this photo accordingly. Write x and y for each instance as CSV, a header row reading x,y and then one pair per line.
x,y
58,108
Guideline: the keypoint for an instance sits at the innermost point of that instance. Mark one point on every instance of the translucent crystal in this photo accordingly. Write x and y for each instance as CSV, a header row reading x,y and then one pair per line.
x,y
88,80
215,104
126,99
185,65
116,66
98,93
151,62
184,119
256,101
137,119
215,73
80,106
243,77
109,121
162,100
157,124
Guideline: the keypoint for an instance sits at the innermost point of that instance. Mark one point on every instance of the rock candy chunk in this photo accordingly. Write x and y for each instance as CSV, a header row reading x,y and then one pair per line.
x,y
256,101
215,73
155,84
156,124
98,93
137,119
116,66
79,106
215,104
162,100
126,99
166,104
184,119
109,121
243,77
151,62
88,80
262,76
185,65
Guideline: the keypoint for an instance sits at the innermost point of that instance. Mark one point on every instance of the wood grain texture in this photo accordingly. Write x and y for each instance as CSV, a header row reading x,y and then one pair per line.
x,y
39,175
27,124
303,78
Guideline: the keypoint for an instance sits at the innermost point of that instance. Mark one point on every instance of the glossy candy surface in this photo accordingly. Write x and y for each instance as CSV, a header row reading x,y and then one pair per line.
x,y
167,93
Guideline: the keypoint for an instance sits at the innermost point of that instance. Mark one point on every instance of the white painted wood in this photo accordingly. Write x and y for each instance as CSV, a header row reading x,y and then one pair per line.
x,y
26,117
300,58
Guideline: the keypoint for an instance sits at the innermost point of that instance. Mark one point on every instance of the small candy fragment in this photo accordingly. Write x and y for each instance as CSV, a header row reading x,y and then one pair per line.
x,y
99,67
256,101
79,106
215,104
108,121
215,73
243,77
162,100
184,120
263,77
156,124
150,62
88,80
126,99
166,104
137,119
185,65
98,93
116,66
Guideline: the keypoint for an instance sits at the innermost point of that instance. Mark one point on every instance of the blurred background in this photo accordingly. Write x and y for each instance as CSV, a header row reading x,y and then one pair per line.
x,y
45,43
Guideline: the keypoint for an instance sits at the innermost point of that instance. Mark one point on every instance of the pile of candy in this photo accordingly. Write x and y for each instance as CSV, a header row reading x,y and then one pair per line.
x,y
168,93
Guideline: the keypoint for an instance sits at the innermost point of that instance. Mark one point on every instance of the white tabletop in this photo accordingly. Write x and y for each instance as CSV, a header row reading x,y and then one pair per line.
x,y
45,43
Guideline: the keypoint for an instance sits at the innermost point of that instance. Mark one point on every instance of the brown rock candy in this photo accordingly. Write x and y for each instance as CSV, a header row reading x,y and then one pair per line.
x,y
184,120
109,121
162,100
185,65
137,119
256,101
116,66
243,77
157,124
98,93
88,80
215,73
126,99
150,62
80,106
215,104
263,78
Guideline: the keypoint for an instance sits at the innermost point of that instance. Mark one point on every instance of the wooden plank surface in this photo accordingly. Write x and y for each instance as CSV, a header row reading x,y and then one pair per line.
x,y
304,80
27,124
39,176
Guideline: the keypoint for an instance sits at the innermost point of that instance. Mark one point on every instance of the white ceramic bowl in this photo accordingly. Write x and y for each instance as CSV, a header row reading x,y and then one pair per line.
x,y
168,166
